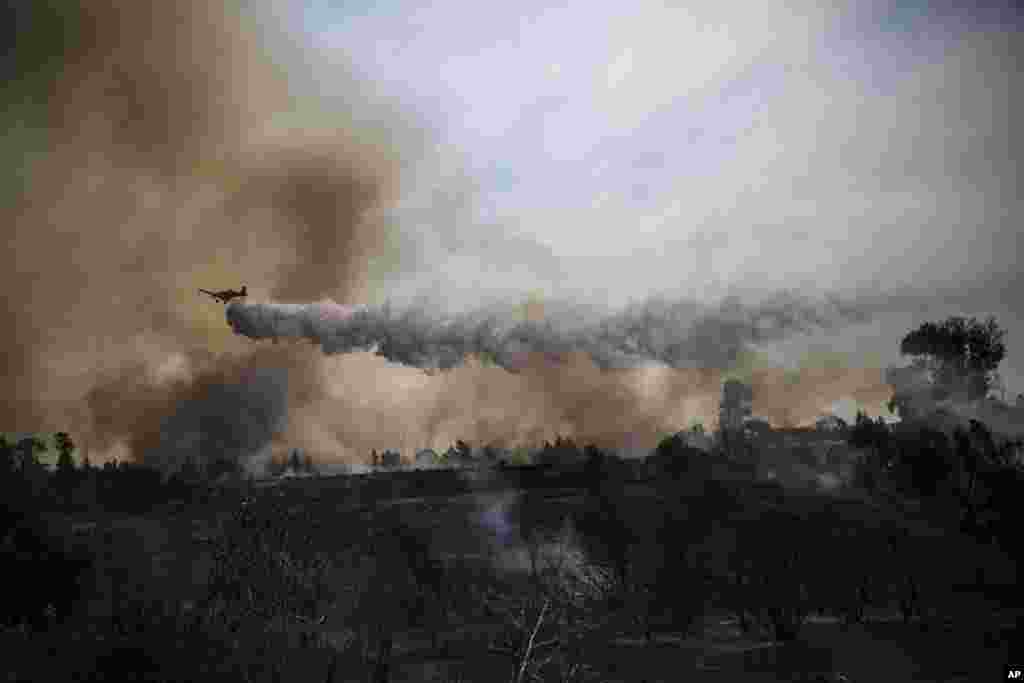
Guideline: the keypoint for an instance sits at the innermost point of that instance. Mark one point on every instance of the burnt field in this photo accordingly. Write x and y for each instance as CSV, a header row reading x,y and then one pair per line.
x,y
525,574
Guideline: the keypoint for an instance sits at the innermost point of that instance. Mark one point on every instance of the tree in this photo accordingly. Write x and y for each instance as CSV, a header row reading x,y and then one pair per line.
x,y
65,475
675,457
961,355
28,450
562,452
31,472
65,446
8,460
491,453
831,423
924,460
390,459
595,469
873,435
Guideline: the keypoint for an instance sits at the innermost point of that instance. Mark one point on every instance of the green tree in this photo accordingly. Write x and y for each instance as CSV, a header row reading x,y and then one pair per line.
x,y
960,354
65,446
64,478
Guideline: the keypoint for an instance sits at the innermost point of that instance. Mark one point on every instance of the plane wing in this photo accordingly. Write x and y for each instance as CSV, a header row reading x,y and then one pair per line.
x,y
226,295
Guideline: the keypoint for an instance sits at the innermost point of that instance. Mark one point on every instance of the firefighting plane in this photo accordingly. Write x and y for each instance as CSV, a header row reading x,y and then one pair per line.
x,y
226,295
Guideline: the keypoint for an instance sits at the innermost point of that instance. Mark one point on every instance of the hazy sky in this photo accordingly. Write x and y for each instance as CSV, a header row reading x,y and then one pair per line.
x,y
591,153
686,147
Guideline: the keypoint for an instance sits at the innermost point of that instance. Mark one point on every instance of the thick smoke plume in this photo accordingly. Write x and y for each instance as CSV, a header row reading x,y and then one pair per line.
x,y
152,148
679,335
619,380
915,389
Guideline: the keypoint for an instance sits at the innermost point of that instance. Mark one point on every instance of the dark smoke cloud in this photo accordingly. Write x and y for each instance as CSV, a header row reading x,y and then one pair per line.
x,y
210,406
681,334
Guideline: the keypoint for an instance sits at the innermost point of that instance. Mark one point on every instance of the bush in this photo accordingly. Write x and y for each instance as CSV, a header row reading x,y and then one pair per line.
x,y
43,571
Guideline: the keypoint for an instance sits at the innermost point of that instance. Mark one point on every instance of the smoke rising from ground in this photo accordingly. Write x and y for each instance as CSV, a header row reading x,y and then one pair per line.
x,y
158,147
155,147
620,380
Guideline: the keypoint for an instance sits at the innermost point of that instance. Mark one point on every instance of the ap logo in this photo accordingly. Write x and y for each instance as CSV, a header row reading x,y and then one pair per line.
x,y
1014,675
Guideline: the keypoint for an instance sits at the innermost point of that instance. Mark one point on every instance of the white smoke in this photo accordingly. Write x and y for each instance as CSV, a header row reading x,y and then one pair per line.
x,y
680,334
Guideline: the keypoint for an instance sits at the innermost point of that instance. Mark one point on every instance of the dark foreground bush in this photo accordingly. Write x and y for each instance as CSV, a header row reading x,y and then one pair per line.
x,y
141,649
42,573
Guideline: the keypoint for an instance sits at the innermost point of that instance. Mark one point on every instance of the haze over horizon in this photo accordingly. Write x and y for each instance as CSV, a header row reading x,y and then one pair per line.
x,y
457,157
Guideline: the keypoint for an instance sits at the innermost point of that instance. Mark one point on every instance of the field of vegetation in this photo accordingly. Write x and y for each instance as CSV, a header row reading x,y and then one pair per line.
x,y
685,570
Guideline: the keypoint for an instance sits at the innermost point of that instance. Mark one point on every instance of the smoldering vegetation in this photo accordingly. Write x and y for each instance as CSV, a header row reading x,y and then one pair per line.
x,y
580,566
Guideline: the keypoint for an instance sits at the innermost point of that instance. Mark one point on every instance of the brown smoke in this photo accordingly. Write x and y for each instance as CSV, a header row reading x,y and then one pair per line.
x,y
626,410
797,399
166,168
376,404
